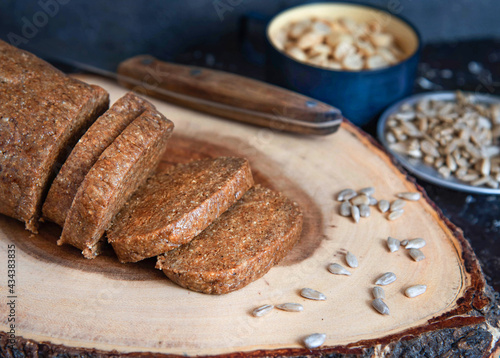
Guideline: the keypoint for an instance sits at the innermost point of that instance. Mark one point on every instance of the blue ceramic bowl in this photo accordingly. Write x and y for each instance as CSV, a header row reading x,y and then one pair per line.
x,y
360,95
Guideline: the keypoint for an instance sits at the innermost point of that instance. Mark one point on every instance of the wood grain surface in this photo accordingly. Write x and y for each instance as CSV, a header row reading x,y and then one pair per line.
x,y
66,300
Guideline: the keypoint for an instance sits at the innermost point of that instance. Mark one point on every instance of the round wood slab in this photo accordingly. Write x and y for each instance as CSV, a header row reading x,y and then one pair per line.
x,y
64,299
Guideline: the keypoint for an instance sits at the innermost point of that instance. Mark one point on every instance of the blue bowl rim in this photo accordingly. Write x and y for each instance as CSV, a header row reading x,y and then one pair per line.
x,y
375,7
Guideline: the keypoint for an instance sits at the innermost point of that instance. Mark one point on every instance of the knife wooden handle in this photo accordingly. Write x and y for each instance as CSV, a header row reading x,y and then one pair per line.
x,y
229,96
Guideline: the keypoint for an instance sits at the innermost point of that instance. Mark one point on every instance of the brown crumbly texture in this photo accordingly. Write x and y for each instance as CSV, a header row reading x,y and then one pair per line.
x,y
239,247
43,113
119,171
86,152
176,205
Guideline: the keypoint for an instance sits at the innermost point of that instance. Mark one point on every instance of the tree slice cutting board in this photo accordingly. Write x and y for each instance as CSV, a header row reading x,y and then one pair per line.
x,y
67,304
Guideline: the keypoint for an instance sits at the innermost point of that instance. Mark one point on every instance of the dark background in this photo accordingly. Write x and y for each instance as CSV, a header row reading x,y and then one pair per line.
x,y
461,38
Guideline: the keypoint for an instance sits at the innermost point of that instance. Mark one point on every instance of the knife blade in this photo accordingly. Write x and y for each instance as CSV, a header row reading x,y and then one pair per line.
x,y
220,93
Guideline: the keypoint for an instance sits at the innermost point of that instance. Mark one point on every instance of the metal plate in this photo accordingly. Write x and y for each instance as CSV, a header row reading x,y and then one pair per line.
x,y
416,166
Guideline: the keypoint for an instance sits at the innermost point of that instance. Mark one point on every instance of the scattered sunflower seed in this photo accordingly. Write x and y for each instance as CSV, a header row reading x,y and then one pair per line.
x,y
312,294
417,255
262,310
351,259
360,199
397,204
386,279
355,213
338,269
290,307
380,306
395,214
383,205
345,208
364,210
417,243
373,201
404,243
410,196
315,340
393,244
346,194
378,292
367,191
415,291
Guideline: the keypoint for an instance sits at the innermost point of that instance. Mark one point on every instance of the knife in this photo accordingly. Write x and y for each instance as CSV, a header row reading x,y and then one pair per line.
x,y
220,93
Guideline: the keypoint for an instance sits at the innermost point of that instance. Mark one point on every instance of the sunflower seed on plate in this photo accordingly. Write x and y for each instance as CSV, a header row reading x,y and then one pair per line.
x,y
345,208
383,205
380,306
397,204
404,243
315,340
367,191
338,269
364,211
386,279
395,214
393,244
417,243
378,292
355,213
312,294
351,259
262,310
417,255
290,307
415,291
360,199
411,196
346,194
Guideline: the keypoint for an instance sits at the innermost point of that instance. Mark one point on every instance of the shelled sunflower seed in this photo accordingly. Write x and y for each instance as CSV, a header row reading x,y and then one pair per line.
x,y
397,204
338,269
356,215
459,138
290,307
396,214
378,292
417,243
415,291
380,306
386,279
339,44
311,294
393,244
315,340
364,211
351,259
383,205
417,255
262,310
345,208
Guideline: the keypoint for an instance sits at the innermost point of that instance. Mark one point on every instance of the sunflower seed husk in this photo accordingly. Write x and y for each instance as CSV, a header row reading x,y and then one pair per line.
x,y
378,292
404,243
312,294
360,199
364,211
415,291
351,259
411,196
355,213
345,208
346,194
380,306
395,214
386,279
393,244
417,255
315,340
417,243
383,205
290,307
338,269
262,310
367,191
397,204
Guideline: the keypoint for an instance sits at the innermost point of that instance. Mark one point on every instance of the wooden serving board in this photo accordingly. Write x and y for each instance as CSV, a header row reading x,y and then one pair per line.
x,y
95,306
